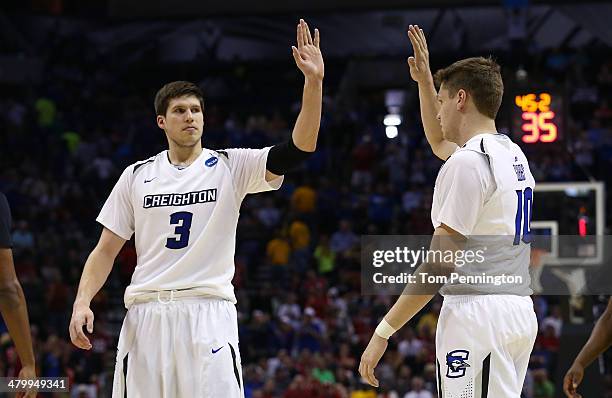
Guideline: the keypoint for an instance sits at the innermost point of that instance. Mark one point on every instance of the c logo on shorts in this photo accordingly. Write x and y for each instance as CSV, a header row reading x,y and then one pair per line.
x,y
455,363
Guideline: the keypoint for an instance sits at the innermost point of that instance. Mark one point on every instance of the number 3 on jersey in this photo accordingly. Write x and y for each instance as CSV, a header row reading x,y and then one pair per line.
x,y
182,220
523,216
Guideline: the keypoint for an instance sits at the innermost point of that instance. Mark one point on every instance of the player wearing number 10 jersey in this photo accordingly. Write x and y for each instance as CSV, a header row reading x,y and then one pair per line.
x,y
180,334
483,194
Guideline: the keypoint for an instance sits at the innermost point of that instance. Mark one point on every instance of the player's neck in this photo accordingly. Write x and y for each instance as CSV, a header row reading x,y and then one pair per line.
x,y
474,126
184,156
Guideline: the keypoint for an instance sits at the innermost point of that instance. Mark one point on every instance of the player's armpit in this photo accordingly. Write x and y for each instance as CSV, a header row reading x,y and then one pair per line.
x,y
444,149
445,230
271,176
445,239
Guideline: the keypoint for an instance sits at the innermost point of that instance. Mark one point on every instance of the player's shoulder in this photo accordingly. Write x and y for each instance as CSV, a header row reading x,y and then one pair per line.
x,y
223,153
235,156
467,157
140,165
232,152
213,156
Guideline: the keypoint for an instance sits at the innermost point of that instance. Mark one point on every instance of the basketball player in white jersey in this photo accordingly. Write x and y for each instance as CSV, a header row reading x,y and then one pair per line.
x,y
484,189
180,334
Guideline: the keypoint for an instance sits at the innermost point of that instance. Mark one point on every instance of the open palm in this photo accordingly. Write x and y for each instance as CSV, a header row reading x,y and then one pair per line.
x,y
307,55
419,62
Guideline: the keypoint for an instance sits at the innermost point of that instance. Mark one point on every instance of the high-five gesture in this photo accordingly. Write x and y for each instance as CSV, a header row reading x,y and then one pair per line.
x,y
419,62
307,54
421,73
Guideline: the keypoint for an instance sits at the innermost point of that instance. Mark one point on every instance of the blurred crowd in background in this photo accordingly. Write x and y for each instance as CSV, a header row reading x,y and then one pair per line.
x,y
303,321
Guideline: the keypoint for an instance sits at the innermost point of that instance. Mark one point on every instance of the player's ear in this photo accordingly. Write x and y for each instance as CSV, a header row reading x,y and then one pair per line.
x,y
461,99
161,122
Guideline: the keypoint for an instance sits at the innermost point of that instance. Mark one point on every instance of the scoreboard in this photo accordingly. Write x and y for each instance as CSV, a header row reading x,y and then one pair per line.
x,y
537,116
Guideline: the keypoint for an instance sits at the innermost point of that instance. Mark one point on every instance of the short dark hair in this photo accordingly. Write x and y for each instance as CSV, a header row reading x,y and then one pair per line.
x,y
479,76
175,90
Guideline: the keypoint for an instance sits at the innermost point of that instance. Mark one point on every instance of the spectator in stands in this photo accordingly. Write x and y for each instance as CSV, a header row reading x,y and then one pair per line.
x,y
344,239
427,323
554,320
542,387
22,236
310,332
304,200
325,256
418,389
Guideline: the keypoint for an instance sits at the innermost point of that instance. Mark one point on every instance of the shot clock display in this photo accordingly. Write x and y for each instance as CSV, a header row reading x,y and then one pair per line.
x,y
538,116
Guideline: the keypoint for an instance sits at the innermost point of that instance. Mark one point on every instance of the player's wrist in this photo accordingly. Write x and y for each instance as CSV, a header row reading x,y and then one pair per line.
x,y
425,82
313,80
580,363
81,303
29,364
384,330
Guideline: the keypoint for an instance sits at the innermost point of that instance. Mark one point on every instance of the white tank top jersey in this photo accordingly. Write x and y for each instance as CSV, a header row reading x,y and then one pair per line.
x,y
185,220
484,191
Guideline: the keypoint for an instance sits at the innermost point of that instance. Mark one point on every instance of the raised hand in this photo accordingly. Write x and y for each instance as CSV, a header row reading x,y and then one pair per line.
x,y
307,54
419,62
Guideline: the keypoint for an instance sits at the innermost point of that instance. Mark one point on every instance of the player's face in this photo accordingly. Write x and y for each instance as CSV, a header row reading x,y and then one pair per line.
x,y
183,122
448,115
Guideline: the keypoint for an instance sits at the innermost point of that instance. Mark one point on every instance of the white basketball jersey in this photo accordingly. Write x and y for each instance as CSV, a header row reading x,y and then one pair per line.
x,y
484,191
184,220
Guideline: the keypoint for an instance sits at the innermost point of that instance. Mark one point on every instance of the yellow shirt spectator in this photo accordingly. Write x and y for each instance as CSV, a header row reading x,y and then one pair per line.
x,y
299,233
363,394
278,251
429,321
304,199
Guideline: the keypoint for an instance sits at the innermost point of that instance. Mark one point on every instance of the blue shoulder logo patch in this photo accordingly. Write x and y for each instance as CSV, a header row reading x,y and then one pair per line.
x,y
210,162
456,363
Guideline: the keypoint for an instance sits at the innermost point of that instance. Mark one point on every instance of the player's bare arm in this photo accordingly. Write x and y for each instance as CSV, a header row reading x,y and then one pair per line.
x,y
12,300
97,268
15,313
600,340
421,73
409,303
308,58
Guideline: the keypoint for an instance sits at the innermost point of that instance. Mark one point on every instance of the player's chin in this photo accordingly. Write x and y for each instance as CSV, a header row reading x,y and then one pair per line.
x,y
187,141
192,133
191,142
191,137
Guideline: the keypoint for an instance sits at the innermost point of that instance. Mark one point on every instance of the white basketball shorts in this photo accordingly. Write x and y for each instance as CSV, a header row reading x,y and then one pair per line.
x,y
483,345
187,347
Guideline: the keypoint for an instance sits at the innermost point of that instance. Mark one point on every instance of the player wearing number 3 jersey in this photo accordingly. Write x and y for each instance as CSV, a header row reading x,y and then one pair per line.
x,y
180,334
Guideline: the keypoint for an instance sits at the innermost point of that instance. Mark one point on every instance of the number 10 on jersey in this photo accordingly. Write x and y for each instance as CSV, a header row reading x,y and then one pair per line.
x,y
522,221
